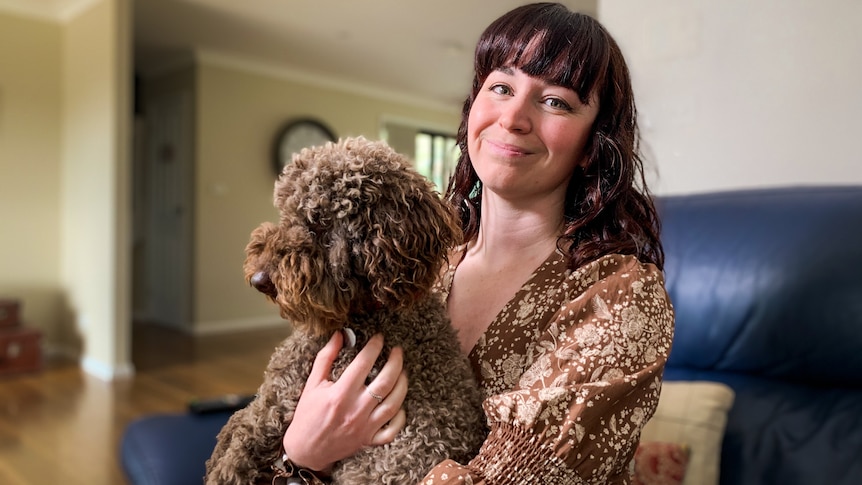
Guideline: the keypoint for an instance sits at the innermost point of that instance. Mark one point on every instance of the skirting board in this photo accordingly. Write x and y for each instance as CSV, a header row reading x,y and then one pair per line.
x,y
104,371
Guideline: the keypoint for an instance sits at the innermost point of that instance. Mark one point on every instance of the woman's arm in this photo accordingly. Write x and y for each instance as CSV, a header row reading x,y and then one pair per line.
x,y
584,386
334,420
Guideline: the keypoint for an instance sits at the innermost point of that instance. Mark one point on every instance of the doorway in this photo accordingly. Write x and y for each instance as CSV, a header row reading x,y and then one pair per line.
x,y
163,211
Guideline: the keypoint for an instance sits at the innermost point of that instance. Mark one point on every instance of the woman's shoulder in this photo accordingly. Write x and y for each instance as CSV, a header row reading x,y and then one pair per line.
x,y
620,268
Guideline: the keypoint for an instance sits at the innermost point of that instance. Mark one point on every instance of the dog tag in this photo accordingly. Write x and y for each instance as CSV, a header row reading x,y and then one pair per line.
x,y
349,338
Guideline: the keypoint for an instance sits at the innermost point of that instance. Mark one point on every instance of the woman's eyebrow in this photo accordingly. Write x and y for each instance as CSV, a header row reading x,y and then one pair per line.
x,y
510,71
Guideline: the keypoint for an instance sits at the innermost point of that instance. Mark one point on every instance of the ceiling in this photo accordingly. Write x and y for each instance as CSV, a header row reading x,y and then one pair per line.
x,y
413,49
418,49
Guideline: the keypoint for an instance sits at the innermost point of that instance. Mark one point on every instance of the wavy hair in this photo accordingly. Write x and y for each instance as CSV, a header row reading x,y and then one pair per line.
x,y
608,208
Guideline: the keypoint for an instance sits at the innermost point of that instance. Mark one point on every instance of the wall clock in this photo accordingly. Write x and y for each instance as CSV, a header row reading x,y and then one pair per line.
x,y
296,135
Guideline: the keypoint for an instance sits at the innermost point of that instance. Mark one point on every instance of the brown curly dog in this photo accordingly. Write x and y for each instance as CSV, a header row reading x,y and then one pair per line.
x,y
360,243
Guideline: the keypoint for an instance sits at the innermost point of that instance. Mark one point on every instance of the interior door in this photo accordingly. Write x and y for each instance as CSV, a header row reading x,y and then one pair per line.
x,y
164,267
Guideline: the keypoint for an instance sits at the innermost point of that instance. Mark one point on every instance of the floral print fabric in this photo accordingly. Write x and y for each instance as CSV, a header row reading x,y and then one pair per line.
x,y
571,370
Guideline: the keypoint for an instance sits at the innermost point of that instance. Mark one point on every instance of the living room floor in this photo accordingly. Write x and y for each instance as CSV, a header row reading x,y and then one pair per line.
x,y
61,425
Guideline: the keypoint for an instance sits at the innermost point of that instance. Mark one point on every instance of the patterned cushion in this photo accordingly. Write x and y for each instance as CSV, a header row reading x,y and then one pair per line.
x,y
659,463
693,413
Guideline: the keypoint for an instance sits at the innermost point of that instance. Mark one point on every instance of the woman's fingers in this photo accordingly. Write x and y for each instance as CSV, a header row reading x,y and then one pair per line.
x,y
392,402
391,413
387,379
356,373
326,356
390,430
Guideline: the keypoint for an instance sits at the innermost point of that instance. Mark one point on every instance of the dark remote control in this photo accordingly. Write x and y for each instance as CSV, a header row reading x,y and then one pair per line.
x,y
228,402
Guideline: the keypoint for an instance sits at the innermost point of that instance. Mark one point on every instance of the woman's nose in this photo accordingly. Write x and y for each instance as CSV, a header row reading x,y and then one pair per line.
x,y
515,116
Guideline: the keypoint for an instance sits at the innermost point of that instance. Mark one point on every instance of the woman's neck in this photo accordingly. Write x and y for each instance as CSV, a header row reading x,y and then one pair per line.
x,y
508,233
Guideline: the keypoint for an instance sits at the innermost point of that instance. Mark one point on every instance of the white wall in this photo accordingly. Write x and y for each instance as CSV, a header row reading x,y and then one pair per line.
x,y
745,93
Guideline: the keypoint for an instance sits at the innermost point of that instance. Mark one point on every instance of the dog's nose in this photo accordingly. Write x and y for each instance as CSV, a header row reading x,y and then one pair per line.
x,y
263,284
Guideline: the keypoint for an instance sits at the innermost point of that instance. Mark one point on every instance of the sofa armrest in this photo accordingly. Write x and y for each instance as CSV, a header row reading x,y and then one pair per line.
x,y
170,449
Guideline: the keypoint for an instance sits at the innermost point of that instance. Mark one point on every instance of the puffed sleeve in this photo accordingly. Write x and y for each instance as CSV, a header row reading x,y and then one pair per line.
x,y
581,388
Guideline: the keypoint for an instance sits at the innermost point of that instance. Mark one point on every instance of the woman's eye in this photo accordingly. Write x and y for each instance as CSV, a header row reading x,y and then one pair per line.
x,y
557,103
500,89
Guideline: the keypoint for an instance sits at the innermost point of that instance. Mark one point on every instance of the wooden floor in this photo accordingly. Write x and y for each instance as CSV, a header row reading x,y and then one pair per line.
x,y
61,426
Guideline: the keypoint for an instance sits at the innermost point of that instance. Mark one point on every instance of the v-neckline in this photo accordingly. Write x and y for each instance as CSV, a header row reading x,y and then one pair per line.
x,y
555,257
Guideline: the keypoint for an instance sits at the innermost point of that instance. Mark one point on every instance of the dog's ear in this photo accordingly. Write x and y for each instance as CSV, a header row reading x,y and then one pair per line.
x,y
407,247
307,293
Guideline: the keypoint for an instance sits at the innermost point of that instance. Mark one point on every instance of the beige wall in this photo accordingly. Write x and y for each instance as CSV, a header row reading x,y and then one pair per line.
x,y
63,118
30,130
95,187
238,114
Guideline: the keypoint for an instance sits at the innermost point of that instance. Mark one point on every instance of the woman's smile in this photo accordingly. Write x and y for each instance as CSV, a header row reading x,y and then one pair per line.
x,y
506,150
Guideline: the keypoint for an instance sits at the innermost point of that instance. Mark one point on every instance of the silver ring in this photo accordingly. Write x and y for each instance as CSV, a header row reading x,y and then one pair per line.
x,y
376,397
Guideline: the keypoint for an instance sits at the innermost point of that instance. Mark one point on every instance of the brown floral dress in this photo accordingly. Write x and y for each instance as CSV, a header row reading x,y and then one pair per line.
x,y
571,369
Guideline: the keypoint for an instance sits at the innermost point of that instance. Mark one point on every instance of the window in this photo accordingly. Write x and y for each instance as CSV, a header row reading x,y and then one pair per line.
x,y
432,151
436,156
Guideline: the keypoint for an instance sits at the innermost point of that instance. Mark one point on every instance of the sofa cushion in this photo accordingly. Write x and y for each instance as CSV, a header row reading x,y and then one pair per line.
x,y
693,414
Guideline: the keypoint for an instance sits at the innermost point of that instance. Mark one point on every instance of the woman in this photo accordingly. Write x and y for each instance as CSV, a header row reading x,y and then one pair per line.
x,y
570,345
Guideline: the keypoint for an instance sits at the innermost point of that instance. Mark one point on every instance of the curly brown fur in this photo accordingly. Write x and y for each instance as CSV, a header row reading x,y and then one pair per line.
x,y
360,242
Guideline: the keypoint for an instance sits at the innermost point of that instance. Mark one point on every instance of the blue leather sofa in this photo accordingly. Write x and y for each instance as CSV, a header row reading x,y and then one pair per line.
x,y
767,287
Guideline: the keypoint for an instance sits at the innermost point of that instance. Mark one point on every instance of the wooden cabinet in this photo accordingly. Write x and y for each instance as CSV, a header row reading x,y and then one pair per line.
x,y
9,316
20,347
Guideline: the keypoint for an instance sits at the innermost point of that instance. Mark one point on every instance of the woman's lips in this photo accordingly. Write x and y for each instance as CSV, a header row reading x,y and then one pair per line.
x,y
507,149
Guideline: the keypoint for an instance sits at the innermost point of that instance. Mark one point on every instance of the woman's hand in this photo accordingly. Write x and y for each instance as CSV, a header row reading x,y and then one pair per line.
x,y
334,420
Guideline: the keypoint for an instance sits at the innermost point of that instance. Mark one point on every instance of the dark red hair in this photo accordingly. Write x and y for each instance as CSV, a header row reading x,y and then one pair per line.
x,y
608,207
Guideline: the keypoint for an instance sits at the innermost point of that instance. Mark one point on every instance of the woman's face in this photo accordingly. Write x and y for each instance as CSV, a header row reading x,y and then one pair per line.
x,y
525,137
